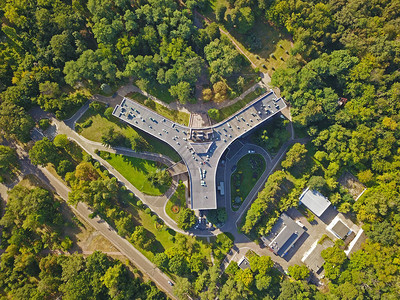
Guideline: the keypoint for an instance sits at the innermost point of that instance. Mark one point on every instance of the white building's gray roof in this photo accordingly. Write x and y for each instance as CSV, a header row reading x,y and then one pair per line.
x,y
203,191
315,201
287,235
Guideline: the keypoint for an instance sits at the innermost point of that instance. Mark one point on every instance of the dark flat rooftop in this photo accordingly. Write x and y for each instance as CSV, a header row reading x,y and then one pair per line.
x,y
288,232
340,229
201,165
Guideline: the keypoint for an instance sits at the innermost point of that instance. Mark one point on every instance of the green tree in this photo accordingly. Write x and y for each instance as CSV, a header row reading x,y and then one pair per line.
x,y
245,277
317,183
8,159
186,219
263,282
334,258
214,114
182,288
43,153
383,233
108,112
62,46
294,290
299,272
366,176
64,167
294,156
138,236
61,141
15,122
178,266
243,19
220,11
182,91
161,260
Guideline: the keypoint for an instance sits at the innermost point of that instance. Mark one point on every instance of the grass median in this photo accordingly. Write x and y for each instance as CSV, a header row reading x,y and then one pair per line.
x,y
249,169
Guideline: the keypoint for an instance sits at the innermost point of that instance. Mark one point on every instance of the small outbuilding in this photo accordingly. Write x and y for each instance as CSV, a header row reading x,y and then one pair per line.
x,y
338,228
243,263
314,201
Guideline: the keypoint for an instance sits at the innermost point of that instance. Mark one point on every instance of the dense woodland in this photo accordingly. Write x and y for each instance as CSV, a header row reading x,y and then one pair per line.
x,y
55,53
351,50
50,48
32,228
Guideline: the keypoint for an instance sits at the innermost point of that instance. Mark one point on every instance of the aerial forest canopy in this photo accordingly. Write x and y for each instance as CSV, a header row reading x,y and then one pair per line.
x,y
342,82
348,50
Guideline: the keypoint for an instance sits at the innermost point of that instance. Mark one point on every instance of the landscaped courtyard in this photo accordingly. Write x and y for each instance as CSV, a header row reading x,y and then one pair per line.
x,y
176,202
249,170
174,115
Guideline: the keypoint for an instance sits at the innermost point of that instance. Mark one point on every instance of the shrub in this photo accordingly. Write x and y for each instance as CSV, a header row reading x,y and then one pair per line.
x,y
61,141
139,203
147,211
299,272
87,123
44,124
87,157
64,167
214,114
108,112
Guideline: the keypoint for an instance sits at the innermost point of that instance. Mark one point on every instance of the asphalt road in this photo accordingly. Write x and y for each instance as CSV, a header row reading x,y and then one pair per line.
x,y
134,255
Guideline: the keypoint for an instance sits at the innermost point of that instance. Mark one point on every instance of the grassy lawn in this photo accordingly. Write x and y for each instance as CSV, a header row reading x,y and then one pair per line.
x,y
249,169
272,40
136,171
161,92
137,97
272,135
231,109
100,124
176,202
174,115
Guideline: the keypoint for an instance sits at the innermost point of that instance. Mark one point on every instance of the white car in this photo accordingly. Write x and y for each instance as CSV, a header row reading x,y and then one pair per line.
x,y
251,151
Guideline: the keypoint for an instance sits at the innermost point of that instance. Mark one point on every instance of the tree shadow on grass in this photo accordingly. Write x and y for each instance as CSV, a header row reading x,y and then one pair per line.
x,y
155,246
